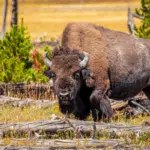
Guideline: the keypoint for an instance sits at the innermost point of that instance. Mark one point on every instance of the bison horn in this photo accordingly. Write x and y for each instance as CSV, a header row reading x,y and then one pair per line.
x,y
47,62
85,60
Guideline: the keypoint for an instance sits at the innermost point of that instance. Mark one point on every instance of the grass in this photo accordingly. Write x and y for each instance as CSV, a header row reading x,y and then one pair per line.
x,y
13,115
10,114
52,18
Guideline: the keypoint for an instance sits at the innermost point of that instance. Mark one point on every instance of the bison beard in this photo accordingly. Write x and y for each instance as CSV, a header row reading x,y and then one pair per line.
x,y
80,106
82,102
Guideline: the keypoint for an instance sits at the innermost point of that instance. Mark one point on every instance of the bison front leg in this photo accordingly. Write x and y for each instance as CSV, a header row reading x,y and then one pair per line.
x,y
100,105
101,108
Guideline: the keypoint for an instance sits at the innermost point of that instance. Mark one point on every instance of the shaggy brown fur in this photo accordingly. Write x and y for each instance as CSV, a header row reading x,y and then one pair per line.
x,y
119,62
116,52
119,67
84,37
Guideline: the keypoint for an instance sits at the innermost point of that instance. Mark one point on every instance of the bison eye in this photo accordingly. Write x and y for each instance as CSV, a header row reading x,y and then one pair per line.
x,y
76,75
53,75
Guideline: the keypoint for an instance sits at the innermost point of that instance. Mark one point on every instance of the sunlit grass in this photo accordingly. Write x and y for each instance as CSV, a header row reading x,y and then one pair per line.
x,y
52,18
121,118
34,113
10,114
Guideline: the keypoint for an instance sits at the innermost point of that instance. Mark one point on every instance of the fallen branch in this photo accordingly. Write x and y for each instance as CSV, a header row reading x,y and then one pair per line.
x,y
54,127
137,104
17,102
72,144
137,16
119,105
50,43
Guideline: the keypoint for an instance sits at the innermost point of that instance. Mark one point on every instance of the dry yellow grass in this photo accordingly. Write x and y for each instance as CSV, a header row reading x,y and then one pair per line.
x,y
40,18
10,114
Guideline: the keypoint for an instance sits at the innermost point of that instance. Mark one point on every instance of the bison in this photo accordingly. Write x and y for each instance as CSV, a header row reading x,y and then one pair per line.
x,y
94,64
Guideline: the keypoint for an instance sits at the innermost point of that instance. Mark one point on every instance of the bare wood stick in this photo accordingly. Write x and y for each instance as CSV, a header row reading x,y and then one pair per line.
x,y
50,43
119,105
137,104
137,16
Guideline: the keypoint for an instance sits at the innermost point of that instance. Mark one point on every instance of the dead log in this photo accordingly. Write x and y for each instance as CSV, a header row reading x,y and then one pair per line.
x,y
42,43
72,144
119,105
17,102
52,128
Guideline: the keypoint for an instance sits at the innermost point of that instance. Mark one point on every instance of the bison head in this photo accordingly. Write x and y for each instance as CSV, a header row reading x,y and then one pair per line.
x,y
67,69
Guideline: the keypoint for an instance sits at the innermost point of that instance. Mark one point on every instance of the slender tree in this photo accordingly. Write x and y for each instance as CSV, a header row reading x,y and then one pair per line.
x,y
14,19
130,22
81,1
144,12
4,19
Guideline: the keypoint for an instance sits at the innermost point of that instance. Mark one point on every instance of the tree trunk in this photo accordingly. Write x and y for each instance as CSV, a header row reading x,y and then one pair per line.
x,y
130,22
14,19
81,1
4,19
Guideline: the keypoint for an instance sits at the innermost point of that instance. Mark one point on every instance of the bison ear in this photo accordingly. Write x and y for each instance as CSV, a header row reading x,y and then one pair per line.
x,y
85,73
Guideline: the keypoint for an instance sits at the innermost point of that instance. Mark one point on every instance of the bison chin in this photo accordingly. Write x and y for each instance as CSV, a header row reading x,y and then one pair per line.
x,y
67,90
65,102
66,107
